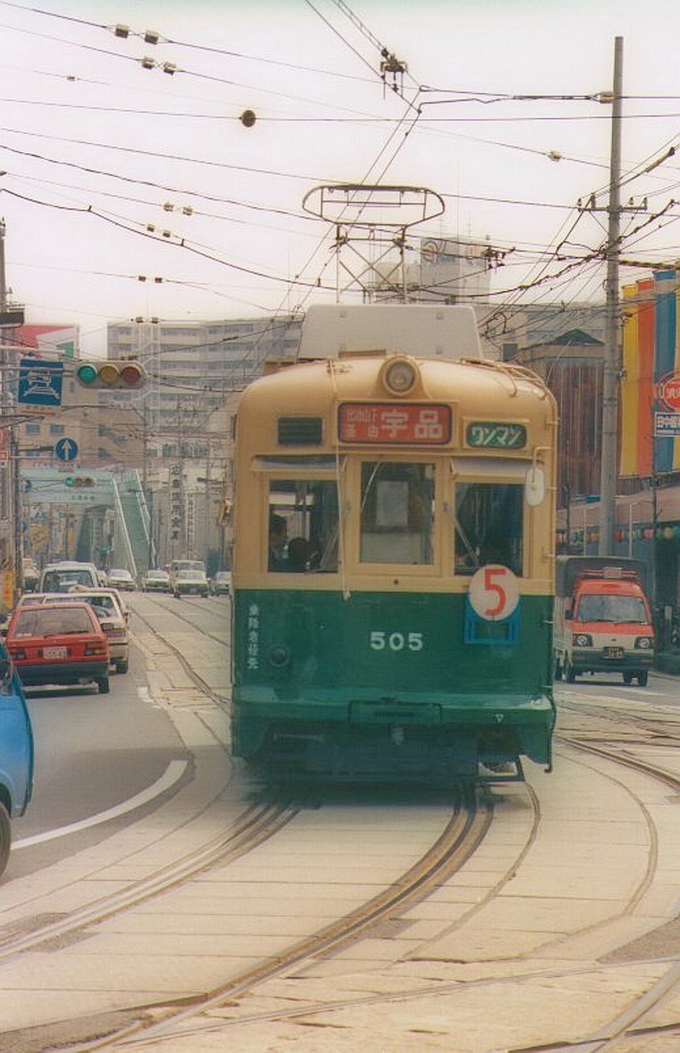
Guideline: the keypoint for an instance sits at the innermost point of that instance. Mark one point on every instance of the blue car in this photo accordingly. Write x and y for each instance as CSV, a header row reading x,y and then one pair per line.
x,y
16,753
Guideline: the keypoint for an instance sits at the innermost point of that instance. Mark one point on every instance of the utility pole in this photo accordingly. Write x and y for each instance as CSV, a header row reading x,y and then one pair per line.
x,y
10,525
610,387
610,394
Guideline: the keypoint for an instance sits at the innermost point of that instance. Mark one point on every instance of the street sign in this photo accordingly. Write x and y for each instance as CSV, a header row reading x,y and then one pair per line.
x,y
66,449
667,424
40,382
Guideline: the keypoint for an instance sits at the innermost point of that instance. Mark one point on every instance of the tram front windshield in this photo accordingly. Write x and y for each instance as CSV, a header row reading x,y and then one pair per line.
x,y
397,521
397,512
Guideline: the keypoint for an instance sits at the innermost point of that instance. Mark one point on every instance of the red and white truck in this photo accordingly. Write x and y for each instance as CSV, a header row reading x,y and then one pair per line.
x,y
602,620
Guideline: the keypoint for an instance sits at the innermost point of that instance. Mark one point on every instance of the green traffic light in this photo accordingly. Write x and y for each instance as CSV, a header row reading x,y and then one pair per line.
x,y
86,374
69,480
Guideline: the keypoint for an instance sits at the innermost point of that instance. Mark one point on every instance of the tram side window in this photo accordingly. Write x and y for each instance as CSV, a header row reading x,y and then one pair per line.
x,y
397,512
303,526
489,526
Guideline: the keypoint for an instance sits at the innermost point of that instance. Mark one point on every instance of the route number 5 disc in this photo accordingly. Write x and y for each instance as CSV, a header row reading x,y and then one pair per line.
x,y
494,592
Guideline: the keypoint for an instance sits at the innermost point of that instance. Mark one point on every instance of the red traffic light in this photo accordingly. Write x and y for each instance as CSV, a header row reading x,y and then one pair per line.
x,y
132,374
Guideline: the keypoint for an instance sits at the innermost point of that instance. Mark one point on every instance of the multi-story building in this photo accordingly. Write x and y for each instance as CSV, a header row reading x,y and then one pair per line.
x,y
193,366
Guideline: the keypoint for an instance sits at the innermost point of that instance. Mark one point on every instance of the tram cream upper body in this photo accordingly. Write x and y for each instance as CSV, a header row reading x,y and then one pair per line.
x,y
475,391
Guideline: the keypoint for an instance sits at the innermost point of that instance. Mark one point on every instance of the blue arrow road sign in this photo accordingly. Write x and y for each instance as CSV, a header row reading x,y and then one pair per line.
x,y
66,449
40,382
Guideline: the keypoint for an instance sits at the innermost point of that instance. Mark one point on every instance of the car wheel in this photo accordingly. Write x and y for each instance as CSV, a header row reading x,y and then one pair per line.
x,y
642,678
628,678
5,837
121,667
103,685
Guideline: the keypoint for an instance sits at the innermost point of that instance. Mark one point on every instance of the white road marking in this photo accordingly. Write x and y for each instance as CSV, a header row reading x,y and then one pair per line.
x,y
172,773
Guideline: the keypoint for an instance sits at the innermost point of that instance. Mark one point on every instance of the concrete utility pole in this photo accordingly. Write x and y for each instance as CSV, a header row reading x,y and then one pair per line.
x,y
610,394
7,490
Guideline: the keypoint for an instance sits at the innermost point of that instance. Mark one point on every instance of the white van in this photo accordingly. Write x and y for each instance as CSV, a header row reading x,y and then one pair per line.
x,y
60,577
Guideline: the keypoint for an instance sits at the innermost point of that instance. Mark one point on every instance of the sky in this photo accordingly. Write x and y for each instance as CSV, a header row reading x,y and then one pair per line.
x,y
114,172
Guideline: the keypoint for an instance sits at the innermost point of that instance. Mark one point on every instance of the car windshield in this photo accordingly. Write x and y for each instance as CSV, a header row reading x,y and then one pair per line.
x,y
607,608
191,575
63,580
52,621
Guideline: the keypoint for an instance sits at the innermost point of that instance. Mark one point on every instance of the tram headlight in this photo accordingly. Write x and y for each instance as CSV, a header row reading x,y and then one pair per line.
x,y
583,640
399,376
645,643
279,657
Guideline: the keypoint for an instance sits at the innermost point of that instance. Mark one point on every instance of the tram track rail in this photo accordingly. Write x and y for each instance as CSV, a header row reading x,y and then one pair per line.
x,y
255,825
469,823
177,652
631,1024
187,602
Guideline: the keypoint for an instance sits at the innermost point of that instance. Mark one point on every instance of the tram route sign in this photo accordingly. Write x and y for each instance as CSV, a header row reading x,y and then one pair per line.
x,y
395,423
494,592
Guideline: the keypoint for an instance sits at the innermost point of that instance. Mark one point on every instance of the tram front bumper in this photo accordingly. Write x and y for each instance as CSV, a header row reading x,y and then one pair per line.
x,y
459,729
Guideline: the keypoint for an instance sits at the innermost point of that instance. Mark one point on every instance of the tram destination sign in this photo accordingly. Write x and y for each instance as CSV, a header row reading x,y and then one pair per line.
x,y
396,423
496,436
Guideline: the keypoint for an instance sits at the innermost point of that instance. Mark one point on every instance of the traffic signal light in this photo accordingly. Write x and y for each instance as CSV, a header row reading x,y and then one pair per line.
x,y
79,481
125,374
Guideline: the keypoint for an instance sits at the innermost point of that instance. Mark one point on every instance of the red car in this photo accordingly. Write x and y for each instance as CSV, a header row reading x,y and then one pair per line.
x,y
59,643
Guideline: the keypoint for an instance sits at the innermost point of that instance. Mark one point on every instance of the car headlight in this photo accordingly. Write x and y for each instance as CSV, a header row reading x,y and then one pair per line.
x,y
644,642
583,640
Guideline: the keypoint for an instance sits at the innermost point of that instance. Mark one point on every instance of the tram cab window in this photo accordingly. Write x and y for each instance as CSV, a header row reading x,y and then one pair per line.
x,y
489,526
397,512
303,526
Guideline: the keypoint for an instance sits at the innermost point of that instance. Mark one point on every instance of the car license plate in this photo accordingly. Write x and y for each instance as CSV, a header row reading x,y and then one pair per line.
x,y
613,652
55,652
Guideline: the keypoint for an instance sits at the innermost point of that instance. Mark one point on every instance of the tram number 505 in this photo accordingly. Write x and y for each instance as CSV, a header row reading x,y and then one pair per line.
x,y
382,641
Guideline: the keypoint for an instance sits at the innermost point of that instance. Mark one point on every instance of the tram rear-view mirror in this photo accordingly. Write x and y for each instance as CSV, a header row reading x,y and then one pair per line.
x,y
534,485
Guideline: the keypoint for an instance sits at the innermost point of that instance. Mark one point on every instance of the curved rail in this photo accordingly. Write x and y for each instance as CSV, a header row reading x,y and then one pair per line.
x,y
251,829
464,833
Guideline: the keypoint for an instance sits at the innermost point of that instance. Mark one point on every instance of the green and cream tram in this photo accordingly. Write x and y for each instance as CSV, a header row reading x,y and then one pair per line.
x,y
393,568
